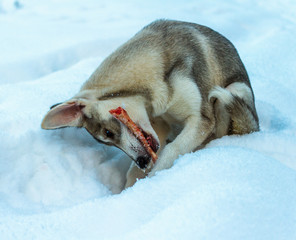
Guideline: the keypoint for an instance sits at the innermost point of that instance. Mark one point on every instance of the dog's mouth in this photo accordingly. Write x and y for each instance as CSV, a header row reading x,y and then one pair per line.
x,y
144,161
153,143
149,143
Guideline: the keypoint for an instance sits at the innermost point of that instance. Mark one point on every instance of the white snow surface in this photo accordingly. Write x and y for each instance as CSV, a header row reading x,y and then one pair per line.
x,y
64,185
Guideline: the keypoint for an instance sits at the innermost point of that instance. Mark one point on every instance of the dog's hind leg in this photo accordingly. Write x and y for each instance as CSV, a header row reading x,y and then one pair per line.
x,y
234,109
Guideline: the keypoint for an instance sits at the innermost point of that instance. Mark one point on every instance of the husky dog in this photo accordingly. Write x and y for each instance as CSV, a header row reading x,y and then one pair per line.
x,y
182,83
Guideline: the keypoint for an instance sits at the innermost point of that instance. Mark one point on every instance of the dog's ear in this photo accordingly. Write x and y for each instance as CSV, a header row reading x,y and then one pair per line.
x,y
67,114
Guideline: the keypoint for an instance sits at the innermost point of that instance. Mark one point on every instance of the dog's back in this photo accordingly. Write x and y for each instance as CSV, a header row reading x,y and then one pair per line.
x,y
213,62
148,63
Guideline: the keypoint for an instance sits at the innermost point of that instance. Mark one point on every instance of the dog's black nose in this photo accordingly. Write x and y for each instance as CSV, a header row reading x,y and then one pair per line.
x,y
143,161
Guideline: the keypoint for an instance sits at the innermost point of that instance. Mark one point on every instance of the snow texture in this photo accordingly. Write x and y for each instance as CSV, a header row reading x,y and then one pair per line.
x,y
64,185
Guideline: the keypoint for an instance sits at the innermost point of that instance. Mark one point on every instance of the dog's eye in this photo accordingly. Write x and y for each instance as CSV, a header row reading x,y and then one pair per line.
x,y
109,134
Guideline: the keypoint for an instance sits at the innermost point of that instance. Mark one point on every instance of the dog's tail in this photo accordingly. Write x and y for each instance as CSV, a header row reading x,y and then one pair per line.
x,y
234,108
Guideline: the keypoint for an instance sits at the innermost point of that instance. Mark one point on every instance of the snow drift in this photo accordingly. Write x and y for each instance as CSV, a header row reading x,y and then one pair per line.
x,y
64,185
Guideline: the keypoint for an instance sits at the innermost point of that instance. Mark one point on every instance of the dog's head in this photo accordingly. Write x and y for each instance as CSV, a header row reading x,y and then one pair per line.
x,y
86,111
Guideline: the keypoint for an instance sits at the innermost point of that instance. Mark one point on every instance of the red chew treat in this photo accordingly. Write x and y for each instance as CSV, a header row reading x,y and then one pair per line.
x,y
120,114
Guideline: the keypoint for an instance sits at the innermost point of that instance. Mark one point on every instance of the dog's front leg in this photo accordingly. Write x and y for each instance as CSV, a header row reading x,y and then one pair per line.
x,y
194,133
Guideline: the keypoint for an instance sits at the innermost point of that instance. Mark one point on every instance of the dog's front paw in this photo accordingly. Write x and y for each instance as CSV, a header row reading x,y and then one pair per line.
x,y
152,173
155,170
160,165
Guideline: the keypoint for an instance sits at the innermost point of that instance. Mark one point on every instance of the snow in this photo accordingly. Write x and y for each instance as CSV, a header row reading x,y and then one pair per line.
x,y
64,185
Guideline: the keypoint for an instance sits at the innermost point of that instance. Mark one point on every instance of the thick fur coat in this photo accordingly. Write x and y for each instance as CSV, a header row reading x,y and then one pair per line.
x,y
182,83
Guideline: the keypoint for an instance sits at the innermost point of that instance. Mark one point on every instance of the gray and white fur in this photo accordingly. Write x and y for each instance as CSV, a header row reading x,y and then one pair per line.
x,y
182,83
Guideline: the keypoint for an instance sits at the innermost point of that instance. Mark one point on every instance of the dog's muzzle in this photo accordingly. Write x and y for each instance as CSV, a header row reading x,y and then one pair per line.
x,y
144,161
